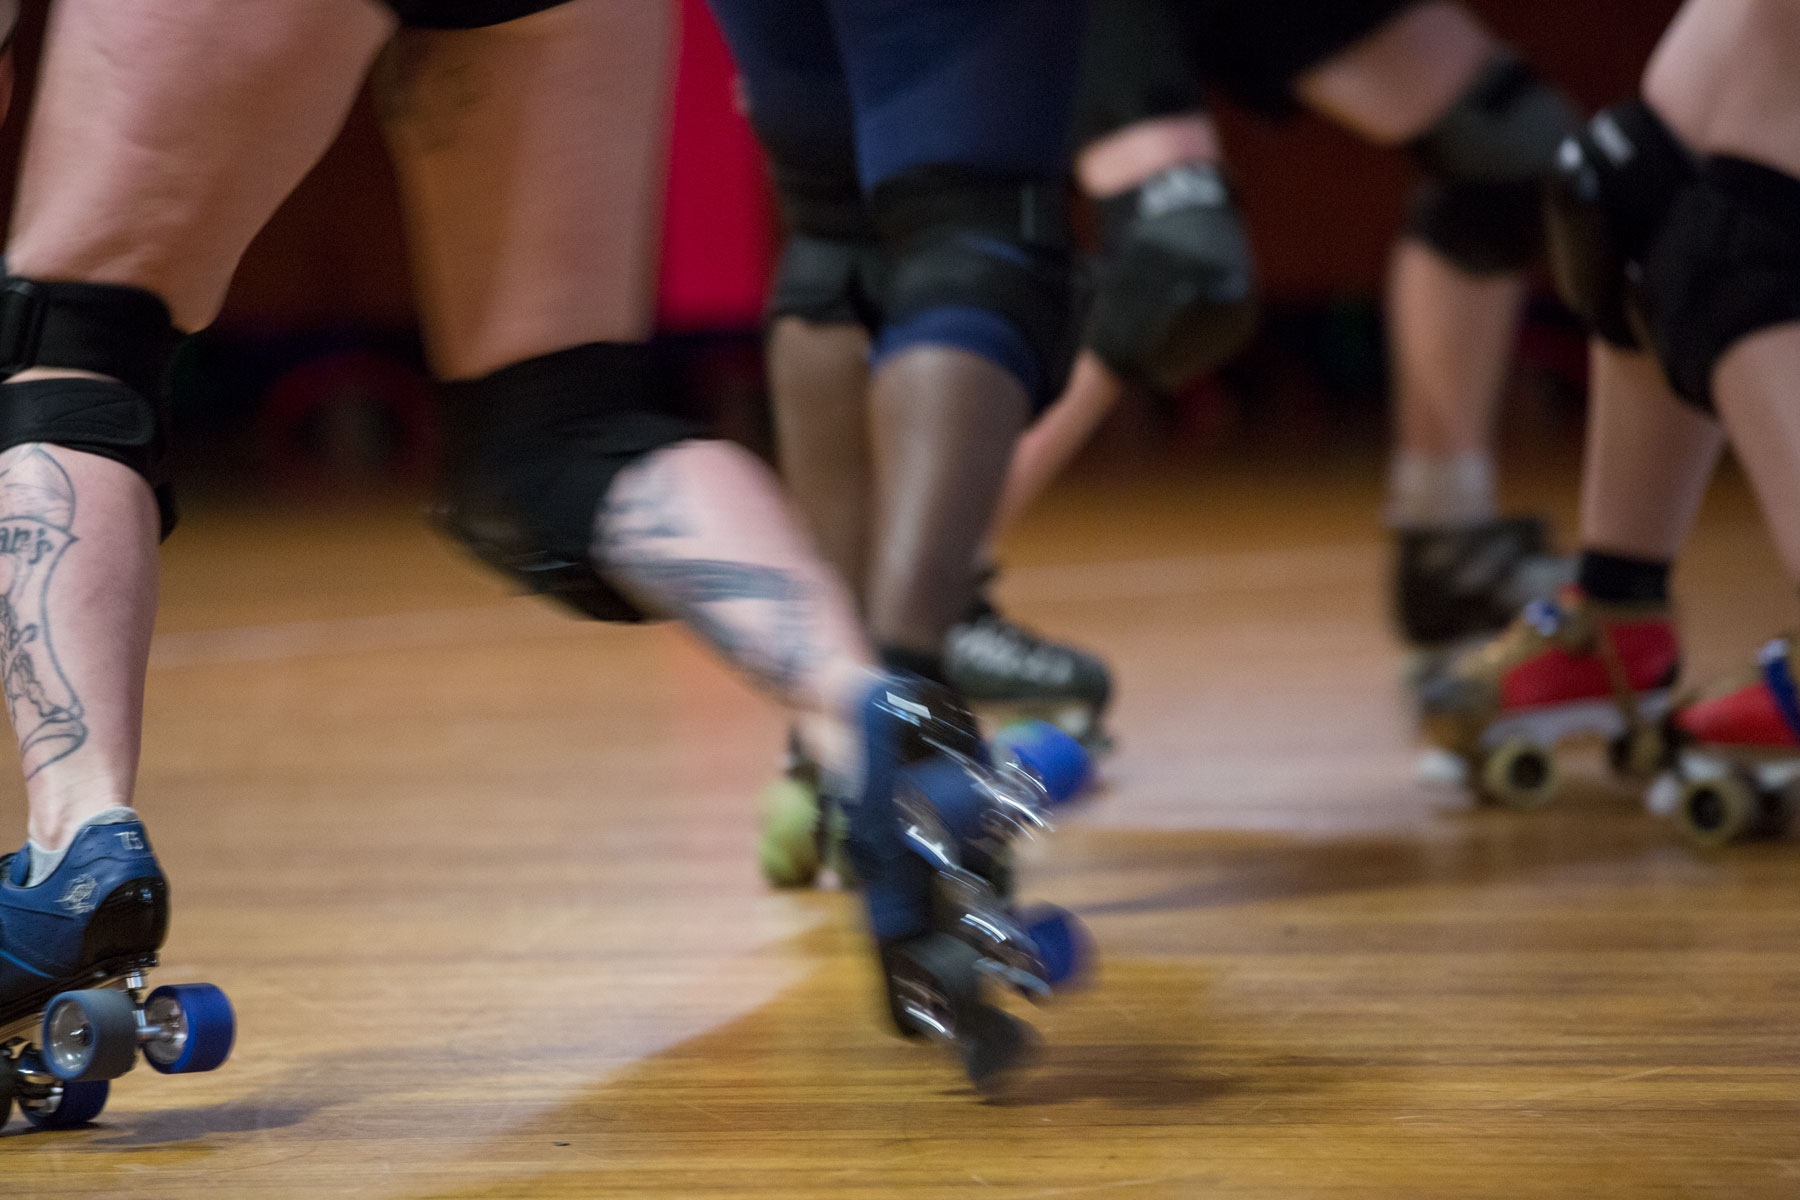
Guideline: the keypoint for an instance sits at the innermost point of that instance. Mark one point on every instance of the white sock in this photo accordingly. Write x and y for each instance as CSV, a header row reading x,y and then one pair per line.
x,y
1430,492
45,861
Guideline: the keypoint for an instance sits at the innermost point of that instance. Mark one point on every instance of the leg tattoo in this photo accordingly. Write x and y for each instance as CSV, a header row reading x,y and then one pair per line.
x,y
37,512
760,616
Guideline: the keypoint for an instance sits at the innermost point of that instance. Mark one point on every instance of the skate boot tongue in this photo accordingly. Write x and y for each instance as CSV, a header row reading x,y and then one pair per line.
x,y
18,867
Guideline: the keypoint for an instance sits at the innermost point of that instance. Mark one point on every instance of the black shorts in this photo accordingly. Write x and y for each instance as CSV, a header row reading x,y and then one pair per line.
x,y
1154,58
465,14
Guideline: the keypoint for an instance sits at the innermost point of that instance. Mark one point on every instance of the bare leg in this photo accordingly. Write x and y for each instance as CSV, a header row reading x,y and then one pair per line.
x,y
1648,459
1450,332
697,530
155,171
819,383
1726,78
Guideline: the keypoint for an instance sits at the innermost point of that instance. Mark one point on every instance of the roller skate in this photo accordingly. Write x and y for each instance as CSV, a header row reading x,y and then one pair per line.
x,y
74,953
1567,667
928,837
803,829
1454,586
1000,665
1736,769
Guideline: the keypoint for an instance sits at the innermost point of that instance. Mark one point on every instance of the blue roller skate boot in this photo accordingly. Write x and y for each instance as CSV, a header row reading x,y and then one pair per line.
x,y
928,833
75,948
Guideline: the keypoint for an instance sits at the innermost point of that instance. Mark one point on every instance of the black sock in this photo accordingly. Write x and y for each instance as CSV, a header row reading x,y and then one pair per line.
x,y
926,666
1616,579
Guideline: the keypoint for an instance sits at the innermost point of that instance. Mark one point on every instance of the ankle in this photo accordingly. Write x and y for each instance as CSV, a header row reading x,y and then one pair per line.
x,y
55,820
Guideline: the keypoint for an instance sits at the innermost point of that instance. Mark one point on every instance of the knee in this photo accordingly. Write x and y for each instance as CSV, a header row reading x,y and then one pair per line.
x,y
1723,266
1177,295
531,451
1485,163
122,338
978,264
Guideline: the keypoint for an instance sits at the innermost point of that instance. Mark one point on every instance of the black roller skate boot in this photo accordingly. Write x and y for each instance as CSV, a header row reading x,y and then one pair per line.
x,y
74,952
1454,586
928,835
999,664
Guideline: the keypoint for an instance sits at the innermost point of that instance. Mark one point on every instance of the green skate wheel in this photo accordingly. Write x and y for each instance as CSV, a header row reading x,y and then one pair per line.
x,y
1518,774
788,850
1716,811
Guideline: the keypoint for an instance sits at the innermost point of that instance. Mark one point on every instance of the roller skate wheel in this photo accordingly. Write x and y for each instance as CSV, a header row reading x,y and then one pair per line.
x,y
67,1105
197,1028
1063,944
90,1035
934,983
1716,811
788,848
1054,756
1663,798
1442,768
1519,774
1637,754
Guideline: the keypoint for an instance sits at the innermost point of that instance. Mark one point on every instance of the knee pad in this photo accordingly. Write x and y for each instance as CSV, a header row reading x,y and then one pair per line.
x,y
1177,295
1611,189
830,282
1485,162
982,265
1724,265
529,454
833,270
123,333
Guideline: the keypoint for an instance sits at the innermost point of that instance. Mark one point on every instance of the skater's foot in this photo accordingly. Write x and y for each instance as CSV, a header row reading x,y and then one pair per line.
x,y
992,660
1456,583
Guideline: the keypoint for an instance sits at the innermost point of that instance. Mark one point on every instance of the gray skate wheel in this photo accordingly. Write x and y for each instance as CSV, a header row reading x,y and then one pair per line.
x,y
1716,811
1519,774
788,848
90,1036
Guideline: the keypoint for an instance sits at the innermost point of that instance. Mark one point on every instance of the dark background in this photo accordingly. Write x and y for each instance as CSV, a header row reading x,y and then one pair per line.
x,y
311,373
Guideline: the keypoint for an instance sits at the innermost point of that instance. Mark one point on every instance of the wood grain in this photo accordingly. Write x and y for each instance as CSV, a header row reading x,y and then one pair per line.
x,y
479,879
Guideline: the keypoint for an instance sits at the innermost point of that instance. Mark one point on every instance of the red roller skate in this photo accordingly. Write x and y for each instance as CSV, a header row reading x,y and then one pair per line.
x,y
1736,773
1565,668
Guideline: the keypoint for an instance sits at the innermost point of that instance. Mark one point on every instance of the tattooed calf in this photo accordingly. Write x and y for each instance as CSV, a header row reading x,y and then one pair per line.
x,y
37,511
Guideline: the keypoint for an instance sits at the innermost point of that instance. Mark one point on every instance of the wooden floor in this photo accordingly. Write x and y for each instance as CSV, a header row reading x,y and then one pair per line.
x,y
479,879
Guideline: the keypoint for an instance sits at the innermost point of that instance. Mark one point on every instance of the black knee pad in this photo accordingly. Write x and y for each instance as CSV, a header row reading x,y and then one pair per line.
x,y
830,282
1176,296
833,269
1485,162
959,240
123,333
1609,194
529,453
1724,265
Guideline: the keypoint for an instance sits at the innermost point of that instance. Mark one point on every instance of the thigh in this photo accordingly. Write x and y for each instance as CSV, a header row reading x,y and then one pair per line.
x,y
165,132
988,84
1392,82
1726,77
1135,67
530,163
787,59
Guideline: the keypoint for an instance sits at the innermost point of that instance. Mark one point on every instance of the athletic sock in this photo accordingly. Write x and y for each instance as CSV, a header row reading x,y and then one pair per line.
x,y
45,861
1616,579
1428,491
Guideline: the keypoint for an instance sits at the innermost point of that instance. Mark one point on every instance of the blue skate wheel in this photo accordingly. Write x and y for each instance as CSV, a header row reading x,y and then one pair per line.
x,y
1063,944
1058,760
70,1106
198,1027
